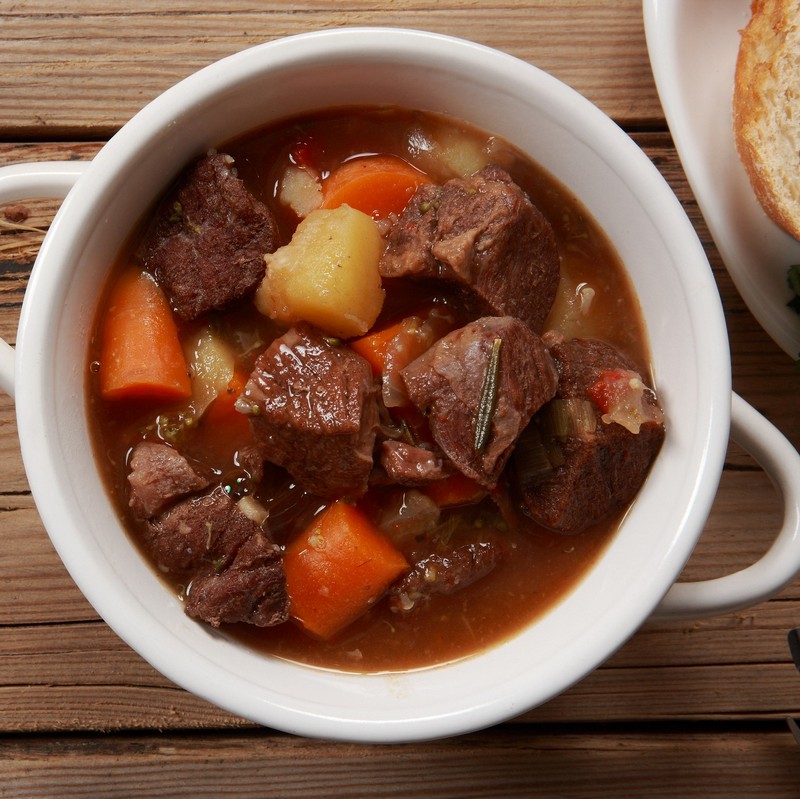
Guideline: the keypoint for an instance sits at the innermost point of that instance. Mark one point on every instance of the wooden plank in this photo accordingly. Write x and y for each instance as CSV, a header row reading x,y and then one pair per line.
x,y
545,762
84,68
36,588
735,692
12,473
82,677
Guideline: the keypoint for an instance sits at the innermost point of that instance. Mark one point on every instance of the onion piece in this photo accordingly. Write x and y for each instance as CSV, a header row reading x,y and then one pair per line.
x,y
408,515
211,365
253,509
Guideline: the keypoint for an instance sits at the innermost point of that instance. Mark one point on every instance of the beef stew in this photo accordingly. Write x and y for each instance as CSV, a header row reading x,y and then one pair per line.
x,y
390,405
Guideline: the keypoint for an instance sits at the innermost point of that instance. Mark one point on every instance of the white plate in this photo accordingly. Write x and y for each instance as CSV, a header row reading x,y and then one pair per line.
x,y
693,47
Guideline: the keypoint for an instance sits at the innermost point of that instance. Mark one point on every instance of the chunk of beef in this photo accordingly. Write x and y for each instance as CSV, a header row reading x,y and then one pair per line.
x,y
235,572
207,246
484,238
197,533
410,465
251,590
443,574
598,468
313,408
412,235
158,476
581,362
448,383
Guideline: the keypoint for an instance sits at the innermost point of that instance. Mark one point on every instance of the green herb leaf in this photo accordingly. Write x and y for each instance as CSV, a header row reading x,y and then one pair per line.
x,y
488,403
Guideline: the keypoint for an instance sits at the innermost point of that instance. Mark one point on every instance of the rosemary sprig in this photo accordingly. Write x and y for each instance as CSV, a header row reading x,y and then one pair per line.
x,y
488,403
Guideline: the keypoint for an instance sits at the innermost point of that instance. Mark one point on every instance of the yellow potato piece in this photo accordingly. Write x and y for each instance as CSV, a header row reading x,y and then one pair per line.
x,y
327,274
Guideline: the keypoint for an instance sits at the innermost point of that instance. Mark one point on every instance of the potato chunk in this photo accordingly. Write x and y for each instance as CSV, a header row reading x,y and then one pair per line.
x,y
327,274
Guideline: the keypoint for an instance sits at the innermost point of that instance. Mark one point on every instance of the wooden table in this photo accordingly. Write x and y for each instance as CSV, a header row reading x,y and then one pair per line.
x,y
684,709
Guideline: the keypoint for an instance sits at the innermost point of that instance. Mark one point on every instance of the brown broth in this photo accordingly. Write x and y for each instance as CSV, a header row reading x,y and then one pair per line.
x,y
545,565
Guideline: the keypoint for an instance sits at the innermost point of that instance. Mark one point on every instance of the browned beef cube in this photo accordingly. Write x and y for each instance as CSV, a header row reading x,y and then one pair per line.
x,y
198,533
160,475
581,362
449,381
484,238
410,465
443,574
251,590
411,237
598,471
235,573
313,409
207,246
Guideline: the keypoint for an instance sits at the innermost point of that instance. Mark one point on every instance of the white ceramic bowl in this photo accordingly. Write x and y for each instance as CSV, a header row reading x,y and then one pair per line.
x,y
624,192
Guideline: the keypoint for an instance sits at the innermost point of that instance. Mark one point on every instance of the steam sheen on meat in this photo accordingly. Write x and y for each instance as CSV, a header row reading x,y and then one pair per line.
x,y
313,409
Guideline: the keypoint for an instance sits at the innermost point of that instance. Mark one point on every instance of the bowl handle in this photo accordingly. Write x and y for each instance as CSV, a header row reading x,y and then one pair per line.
x,y
779,565
26,182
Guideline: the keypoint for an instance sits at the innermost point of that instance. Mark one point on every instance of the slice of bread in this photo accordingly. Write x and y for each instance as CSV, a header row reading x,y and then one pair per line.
x,y
766,108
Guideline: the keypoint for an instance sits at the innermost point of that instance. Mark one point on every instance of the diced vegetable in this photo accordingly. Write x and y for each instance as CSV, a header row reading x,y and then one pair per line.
x,y
335,570
392,348
141,355
222,413
449,153
211,366
253,509
300,190
327,274
534,456
216,383
457,489
378,185
571,311
568,417
620,394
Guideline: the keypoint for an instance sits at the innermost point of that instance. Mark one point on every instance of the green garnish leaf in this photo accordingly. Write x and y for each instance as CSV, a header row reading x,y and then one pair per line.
x,y
488,403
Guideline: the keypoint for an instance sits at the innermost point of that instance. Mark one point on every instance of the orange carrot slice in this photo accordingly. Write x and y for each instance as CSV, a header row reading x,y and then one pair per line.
x,y
141,355
337,568
374,184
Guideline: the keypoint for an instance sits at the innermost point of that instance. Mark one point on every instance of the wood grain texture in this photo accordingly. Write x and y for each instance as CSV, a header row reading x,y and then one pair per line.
x,y
104,62
690,709
548,762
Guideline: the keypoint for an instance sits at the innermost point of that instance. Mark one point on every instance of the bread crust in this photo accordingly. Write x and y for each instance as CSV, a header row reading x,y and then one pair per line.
x,y
766,111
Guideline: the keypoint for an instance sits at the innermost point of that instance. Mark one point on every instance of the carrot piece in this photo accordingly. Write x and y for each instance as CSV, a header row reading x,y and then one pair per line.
x,y
223,417
394,346
141,355
337,568
221,411
456,489
390,349
375,347
375,184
